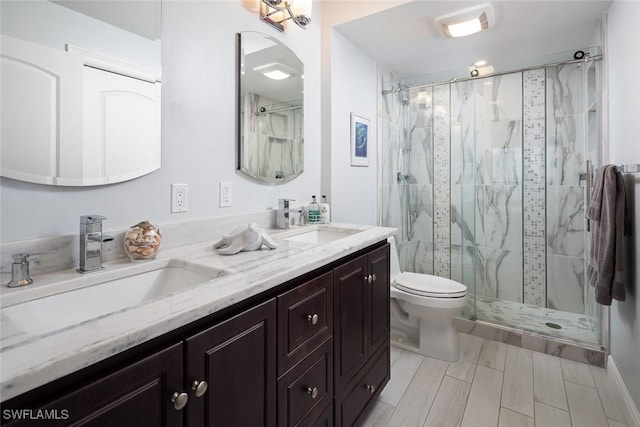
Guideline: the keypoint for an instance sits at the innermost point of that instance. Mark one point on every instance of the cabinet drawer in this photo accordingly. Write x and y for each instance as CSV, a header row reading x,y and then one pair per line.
x,y
359,395
305,320
307,389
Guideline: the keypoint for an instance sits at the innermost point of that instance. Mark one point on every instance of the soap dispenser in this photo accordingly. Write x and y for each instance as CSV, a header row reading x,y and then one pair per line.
x,y
314,211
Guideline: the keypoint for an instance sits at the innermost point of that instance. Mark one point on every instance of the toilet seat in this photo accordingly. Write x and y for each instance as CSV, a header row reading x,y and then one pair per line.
x,y
429,286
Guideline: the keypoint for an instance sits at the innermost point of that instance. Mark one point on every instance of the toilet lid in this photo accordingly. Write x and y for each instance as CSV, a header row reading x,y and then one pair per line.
x,y
429,286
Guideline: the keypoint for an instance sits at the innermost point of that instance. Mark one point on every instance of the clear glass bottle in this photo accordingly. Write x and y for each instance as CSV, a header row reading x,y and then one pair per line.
x,y
325,211
314,211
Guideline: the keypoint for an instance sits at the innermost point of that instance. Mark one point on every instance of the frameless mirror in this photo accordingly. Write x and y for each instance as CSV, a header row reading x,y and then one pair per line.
x,y
270,109
80,84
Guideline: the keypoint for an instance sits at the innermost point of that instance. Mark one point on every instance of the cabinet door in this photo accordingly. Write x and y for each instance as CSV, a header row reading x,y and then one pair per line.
x,y
237,359
351,315
138,395
379,298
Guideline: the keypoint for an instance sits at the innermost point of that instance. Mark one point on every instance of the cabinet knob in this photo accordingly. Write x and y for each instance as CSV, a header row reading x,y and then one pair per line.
x,y
370,278
179,400
200,387
371,388
313,392
374,277
313,318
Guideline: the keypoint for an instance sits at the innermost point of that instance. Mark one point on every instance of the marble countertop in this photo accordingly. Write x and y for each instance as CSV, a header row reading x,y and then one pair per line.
x,y
29,359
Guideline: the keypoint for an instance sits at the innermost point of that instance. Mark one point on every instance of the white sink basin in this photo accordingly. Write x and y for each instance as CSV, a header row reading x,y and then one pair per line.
x,y
318,237
61,310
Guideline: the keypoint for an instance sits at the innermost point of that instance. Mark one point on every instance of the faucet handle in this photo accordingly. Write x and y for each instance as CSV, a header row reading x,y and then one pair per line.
x,y
91,219
284,203
21,258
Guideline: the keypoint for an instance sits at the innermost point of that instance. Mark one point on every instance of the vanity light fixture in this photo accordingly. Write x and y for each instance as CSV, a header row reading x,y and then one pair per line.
x,y
467,21
275,71
275,12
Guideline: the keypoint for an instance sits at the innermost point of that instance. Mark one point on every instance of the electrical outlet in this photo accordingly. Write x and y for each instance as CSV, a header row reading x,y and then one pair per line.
x,y
179,197
226,194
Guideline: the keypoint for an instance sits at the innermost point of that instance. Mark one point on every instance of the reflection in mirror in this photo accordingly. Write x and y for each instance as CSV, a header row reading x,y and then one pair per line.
x,y
271,115
80,84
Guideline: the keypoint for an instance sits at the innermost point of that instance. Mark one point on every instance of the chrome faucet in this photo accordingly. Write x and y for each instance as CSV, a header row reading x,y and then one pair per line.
x,y
91,239
282,218
20,271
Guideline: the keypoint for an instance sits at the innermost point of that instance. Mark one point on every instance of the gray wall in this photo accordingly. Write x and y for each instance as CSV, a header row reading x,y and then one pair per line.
x,y
624,147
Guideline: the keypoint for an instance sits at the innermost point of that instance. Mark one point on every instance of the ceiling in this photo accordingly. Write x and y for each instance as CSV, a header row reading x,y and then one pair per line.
x,y
141,17
405,38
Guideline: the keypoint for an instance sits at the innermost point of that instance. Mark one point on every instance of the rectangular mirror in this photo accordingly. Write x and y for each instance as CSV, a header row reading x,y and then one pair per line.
x,y
270,109
80,84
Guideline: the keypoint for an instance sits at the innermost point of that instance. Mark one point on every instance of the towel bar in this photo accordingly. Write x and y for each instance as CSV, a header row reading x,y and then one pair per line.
x,y
628,168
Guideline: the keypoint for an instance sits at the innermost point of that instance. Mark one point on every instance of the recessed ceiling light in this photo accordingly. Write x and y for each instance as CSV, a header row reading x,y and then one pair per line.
x,y
467,21
480,63
275,71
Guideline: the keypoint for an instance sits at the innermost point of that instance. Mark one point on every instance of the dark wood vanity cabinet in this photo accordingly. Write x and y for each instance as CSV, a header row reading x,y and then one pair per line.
x,y
361,316
237,360
312,352
138,394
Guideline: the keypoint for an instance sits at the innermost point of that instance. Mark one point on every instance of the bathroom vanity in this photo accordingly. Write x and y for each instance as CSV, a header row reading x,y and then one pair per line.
x,y
294,336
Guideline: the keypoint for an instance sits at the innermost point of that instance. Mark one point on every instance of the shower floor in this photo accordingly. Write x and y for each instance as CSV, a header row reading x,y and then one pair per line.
x,y
574,326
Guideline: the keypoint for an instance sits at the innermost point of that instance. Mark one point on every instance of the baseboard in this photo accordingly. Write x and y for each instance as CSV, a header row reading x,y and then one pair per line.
x,y
629,404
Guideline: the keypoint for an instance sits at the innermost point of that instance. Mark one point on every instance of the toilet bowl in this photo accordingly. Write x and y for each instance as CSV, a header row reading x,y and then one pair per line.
x,y
422,311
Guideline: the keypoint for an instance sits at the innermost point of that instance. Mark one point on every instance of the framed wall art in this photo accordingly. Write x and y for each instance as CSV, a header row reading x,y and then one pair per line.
x,y
359,141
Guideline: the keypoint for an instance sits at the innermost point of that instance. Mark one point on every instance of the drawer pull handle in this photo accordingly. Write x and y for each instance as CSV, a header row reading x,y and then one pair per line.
x,y
371,388
200,387
313,392
179,400
374,277
313,318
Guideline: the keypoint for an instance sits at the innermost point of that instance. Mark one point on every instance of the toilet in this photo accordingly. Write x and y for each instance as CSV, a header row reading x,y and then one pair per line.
x,y
422,311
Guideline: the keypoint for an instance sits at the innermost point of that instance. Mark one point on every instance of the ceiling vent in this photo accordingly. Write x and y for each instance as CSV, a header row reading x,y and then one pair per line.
x,y
467,21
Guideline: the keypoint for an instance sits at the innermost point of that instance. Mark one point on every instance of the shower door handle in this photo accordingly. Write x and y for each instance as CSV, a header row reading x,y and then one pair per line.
x,y
588,196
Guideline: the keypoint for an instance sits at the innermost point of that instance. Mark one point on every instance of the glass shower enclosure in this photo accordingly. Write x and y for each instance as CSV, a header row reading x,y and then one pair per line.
x,y
486,180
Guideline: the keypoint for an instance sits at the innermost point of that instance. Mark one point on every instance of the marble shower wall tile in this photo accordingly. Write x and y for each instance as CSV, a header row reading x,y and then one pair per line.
x,y
565,221
462,269
391,212
467,211
502,96
421,156
441,200
564,87
421,211
464,167
421,108
565,149
503,217
565,286
416,256
499,274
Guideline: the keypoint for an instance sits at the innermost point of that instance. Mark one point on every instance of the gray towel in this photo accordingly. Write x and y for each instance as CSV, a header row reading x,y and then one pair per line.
x,y
608,228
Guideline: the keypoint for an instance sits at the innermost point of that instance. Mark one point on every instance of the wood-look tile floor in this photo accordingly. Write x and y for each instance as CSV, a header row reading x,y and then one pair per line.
x,y
496,385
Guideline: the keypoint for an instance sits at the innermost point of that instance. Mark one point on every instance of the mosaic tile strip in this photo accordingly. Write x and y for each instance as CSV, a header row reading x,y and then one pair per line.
x,y
442,181
534,180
